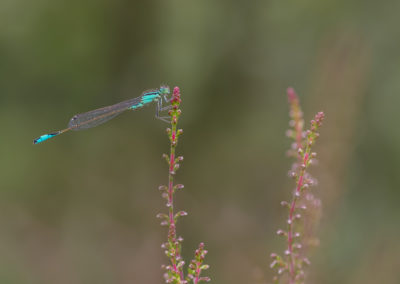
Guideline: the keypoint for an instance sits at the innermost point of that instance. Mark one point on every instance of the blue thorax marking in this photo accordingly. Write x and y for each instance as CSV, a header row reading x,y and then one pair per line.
x,y
146,98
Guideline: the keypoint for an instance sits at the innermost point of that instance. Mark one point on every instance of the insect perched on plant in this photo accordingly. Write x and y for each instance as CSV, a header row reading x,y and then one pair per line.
x,y
99,116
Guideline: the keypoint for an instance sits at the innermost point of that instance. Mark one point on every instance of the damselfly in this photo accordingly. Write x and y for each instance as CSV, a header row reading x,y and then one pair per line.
x,y
99,116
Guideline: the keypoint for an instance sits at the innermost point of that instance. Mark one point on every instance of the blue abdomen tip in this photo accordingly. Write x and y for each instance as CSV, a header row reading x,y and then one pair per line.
x,y
44,137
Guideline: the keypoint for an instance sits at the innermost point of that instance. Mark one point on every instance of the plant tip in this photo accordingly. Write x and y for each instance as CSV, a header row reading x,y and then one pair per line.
x,y
291,93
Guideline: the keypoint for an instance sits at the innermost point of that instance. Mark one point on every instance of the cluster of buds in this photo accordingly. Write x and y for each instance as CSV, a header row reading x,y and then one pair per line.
x,y
304,208
196,266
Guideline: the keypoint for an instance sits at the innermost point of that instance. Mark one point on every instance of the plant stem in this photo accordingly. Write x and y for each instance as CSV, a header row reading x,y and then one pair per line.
x,y
173,245
174,272
172,223
299,185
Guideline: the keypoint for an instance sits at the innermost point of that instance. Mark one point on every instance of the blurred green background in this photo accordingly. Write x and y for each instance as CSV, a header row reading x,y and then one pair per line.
x,y
81,208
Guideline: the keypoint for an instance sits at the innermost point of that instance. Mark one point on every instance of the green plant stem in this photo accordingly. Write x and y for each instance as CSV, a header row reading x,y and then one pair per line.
x,y
172,224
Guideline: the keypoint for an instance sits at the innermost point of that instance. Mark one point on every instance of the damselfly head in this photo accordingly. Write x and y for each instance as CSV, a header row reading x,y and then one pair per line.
x,y
164,91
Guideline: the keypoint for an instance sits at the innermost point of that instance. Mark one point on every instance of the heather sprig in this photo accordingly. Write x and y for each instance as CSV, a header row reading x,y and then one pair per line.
x,y
173,246
196,266
304,208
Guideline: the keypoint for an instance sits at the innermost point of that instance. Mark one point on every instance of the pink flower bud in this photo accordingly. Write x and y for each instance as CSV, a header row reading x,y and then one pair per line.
x,y
292,96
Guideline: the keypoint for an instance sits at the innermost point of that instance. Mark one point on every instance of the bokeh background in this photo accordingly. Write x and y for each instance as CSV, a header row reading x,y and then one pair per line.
x,y
81,208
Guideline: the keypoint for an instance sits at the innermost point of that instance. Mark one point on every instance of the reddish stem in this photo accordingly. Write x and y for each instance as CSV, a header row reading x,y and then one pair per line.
x,y
292,208
297,116
198,271
172,225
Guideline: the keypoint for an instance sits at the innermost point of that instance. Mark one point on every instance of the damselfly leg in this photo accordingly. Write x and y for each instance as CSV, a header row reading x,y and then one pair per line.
x,y
160,108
